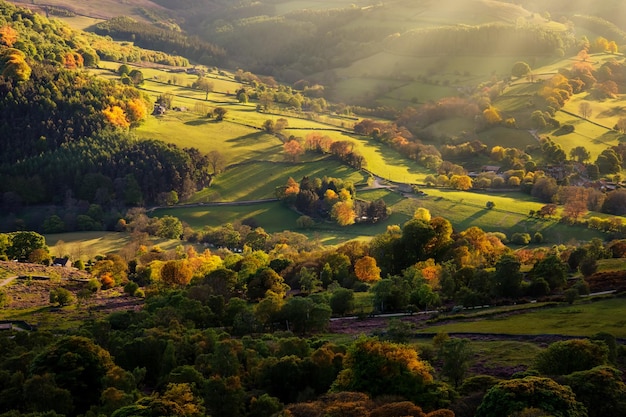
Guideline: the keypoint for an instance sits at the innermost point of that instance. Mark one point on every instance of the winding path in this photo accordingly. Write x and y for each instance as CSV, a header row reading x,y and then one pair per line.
x,y
6,281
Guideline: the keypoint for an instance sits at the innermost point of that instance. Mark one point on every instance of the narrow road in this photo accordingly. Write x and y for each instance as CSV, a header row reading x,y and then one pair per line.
x,y
7,281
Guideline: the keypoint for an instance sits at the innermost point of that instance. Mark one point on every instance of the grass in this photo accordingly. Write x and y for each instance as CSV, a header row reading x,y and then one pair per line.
x,y
259,179
86,245
510,215
584,318
272,216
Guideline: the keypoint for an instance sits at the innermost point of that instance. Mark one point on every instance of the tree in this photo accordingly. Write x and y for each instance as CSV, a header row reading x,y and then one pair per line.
x,y
136,76
580,154
565,357
170,227
520,69
220,113
398,370
8,36
216,161
553,270
61,296
266,279
615,203
600,389
609,162
461,182
23,243
456,355
544,189
305,315
176,273
585,109
116,116
204,84
13,65
492,115
79,366
508,278
366,269
509,397
293,150
343,212
342,301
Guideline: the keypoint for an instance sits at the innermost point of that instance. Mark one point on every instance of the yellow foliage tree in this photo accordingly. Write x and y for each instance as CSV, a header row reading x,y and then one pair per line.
x,y
8,36
492,115
461,182
116,116
422,214
13,65
176,273
366,269
293,187
330,196
398,370
136,111
343,213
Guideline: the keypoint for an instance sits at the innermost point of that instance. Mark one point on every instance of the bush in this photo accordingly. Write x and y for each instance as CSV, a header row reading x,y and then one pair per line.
x,y
131,288
520,238
538,237
490,205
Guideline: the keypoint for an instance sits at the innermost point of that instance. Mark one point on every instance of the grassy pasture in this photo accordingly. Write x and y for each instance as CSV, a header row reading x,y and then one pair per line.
x,y
510,214
593,137
276,217
272,216
259,179
86,245
584,318
509,138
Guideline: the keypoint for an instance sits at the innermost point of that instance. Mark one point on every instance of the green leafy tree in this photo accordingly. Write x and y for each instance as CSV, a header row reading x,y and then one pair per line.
x,y
170,227
456,355
23,243
508,278
565,357
78,365
520,69
600,389
61,296
305,315
553,270
508,397
342,301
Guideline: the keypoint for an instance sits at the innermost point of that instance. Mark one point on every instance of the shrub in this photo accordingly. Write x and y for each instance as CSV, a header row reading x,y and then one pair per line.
x,y
520,238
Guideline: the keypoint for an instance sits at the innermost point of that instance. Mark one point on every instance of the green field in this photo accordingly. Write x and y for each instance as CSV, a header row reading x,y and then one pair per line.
x,y
581,319
86,245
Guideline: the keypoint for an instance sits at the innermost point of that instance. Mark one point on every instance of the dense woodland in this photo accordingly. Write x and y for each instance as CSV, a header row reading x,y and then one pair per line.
x,y
69,132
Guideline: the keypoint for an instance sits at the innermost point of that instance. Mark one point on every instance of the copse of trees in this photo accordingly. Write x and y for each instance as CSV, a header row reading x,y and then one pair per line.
x,y
152,37
326,198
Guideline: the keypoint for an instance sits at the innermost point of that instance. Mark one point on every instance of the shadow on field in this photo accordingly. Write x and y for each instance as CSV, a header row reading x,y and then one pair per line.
x,y
200,122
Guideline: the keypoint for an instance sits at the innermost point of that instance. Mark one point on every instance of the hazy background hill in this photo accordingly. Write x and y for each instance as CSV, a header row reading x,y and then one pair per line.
x,y
365,52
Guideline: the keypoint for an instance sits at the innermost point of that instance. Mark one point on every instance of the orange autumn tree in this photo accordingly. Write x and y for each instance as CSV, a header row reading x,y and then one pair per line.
x,y
293,150
398,369
136,111
366,269
176,273
8,36
116,116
